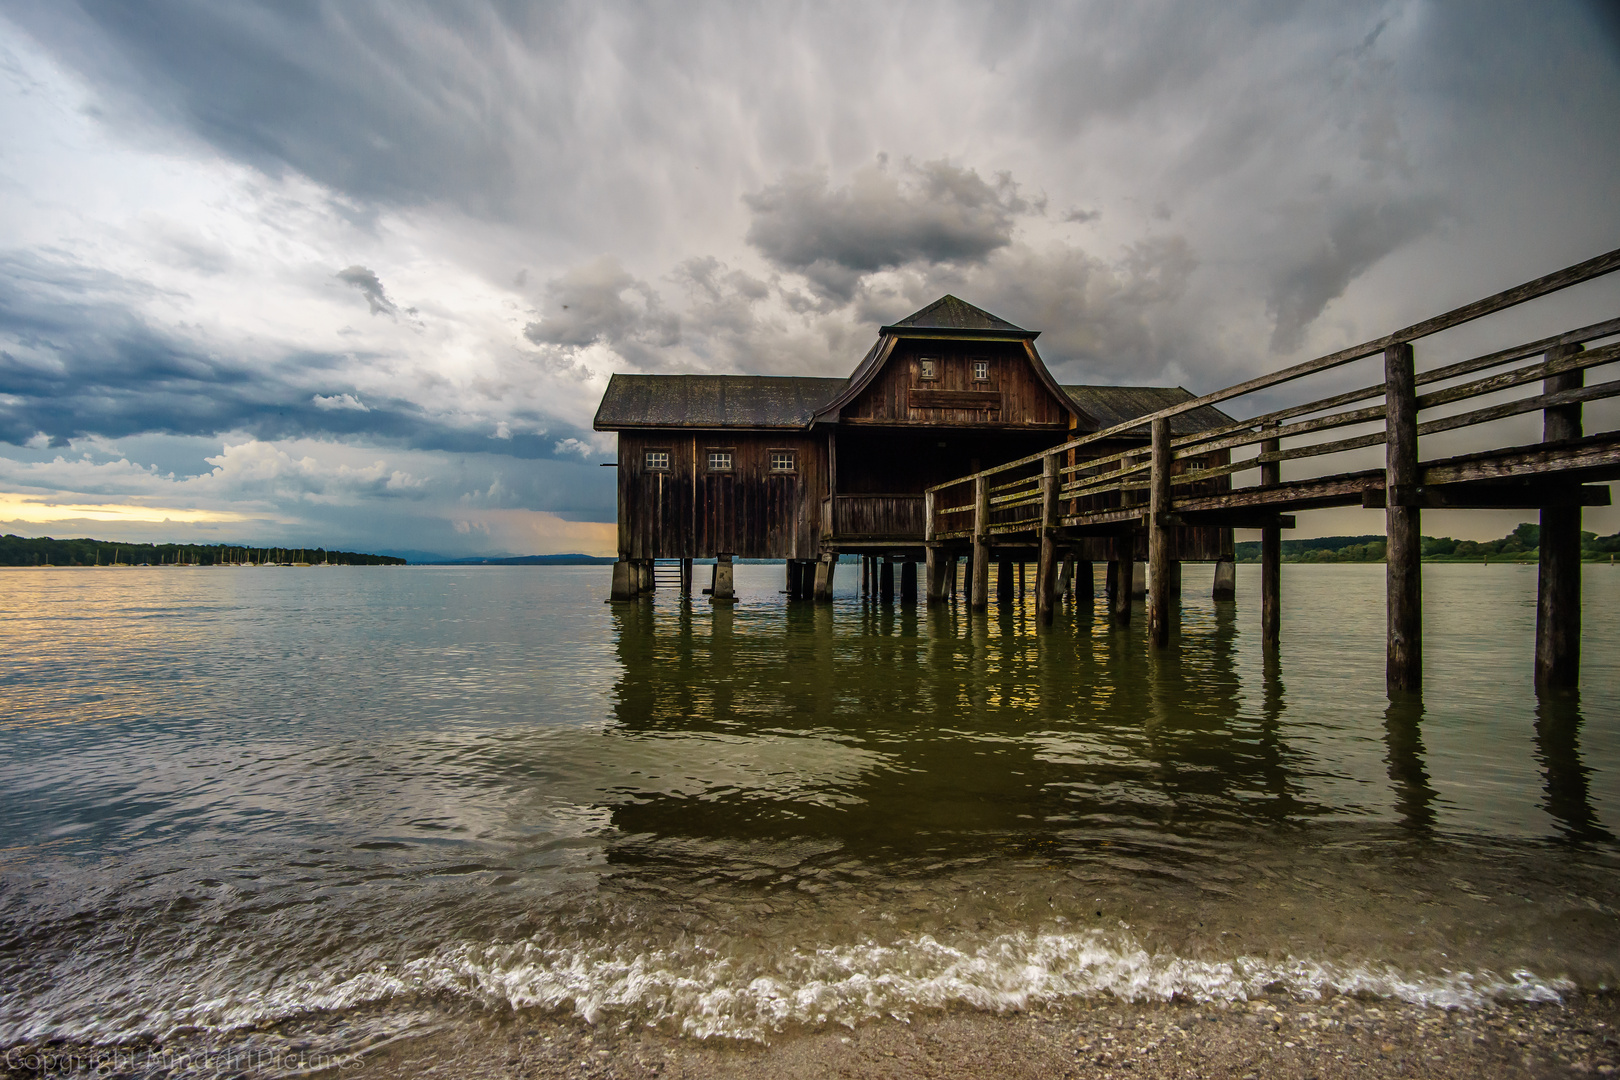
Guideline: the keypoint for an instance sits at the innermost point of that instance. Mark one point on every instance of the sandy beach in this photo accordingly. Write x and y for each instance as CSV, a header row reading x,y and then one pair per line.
x,y
1340,1037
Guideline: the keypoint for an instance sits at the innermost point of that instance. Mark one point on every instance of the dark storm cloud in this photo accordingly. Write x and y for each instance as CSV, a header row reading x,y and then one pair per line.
x,y
1358,237
77,359
370,287
364,97
601,302
935,212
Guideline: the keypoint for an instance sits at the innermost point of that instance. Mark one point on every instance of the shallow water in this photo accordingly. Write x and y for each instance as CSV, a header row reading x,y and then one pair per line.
x,y
319,807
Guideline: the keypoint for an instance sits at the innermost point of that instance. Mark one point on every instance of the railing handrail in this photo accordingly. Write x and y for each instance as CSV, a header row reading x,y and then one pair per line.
x,y
1543,286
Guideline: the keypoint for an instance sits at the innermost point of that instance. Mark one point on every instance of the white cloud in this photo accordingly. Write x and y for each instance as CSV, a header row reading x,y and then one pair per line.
x,y
339,401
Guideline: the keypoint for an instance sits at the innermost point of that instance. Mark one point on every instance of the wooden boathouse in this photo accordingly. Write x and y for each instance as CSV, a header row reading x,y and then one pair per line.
x,y
811,469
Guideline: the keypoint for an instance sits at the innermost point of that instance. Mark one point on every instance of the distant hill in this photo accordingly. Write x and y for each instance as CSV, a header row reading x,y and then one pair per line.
x,y
48,551
1520,545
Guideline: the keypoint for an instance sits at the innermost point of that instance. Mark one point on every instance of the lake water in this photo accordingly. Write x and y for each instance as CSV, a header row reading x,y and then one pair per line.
x,y
324,807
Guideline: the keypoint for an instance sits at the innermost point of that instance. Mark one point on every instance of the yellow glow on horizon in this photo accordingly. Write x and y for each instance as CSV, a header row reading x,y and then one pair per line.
x,y
29,508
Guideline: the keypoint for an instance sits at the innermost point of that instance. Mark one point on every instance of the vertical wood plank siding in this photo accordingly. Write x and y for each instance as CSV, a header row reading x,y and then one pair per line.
x,y
690,512
1021,398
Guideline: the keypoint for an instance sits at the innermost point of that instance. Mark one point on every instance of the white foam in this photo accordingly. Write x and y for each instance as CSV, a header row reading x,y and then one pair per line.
x,y
708,993
705,992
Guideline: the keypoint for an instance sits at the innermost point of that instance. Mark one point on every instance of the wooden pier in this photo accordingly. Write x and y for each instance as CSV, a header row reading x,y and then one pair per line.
x,y
1064,504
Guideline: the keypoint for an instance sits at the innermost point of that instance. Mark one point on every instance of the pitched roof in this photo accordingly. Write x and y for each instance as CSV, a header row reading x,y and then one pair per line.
x,y
713,401
949,313
1107,406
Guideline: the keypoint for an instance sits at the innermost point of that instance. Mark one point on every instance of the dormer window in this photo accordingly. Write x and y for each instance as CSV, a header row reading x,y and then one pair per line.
x,y
981,371
928,369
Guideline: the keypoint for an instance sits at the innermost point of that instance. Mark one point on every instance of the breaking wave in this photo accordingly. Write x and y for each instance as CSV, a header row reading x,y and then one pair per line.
x,y
705,992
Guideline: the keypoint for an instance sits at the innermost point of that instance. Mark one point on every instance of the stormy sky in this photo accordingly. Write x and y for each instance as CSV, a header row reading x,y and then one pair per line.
x,y
356,274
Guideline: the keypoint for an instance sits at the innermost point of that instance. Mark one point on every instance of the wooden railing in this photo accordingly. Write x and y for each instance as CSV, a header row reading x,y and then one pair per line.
x,y
873,517
1187,479
1008,498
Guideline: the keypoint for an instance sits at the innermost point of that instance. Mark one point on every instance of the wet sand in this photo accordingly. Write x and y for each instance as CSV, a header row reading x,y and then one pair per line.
x,y
1342,1037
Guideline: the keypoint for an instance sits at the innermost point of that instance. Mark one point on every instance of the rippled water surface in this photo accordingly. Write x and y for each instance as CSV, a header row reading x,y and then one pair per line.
x,y
341,803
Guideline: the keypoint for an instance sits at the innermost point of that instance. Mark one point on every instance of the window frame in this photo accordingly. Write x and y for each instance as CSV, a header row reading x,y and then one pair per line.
x,y
647,462
792,456
731,459
978,366
928,368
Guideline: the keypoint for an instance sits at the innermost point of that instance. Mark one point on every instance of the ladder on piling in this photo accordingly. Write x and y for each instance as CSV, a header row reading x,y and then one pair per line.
x,y
667,574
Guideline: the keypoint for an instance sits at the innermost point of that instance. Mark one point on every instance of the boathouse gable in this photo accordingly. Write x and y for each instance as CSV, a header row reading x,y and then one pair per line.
x,y
801,468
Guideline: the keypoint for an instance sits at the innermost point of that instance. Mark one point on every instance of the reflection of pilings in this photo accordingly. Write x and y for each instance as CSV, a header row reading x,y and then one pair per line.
x,y
1558,747
1403,739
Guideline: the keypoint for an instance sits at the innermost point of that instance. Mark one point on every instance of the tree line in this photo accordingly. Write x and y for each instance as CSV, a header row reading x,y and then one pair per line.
x,y
47,551
1522,544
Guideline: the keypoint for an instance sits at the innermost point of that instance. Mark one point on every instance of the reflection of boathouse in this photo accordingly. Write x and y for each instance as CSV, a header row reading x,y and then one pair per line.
x,y
807,469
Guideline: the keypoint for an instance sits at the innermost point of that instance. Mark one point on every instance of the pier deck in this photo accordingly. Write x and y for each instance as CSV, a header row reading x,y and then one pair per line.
x,y
1062,504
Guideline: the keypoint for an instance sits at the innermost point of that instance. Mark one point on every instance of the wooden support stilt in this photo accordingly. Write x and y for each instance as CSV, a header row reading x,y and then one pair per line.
x,y
1004,581
979,584
1403,667
1558,585
1159,537
1270,557
1120,603
686,577
950,568
886,580
933,576
908,581
1085,583
644,576
1225,587
1046,584
1065,581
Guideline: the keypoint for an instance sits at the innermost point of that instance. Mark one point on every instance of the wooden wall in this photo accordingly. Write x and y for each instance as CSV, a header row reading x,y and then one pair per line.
x,y
1012,397
690,512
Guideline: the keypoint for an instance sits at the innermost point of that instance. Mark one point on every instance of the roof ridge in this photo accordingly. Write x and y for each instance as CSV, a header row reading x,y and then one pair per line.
x,y
951,312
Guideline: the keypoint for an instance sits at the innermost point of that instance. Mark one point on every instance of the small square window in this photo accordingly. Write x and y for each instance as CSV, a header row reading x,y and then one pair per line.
x,y
782,461
981,371
719,460
927,369
658,459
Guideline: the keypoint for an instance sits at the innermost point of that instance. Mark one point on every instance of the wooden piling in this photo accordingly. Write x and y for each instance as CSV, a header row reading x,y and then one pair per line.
x,y
1225,586
886,580
1558,584
686,578
979,585
1085,583
1403,570
1120,602
1159,536
1270,556
908,581
1004,581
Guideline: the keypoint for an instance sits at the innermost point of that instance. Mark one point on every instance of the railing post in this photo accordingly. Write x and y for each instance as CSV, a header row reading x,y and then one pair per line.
x,y
979,585
1270,555
1046,568
1558,585
933,577
1158,590
1403,571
